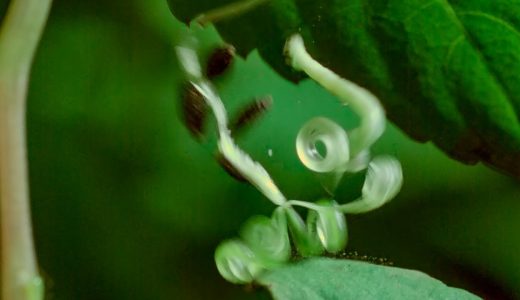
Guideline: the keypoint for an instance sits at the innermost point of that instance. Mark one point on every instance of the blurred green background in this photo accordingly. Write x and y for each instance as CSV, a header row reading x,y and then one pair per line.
x,y
126,205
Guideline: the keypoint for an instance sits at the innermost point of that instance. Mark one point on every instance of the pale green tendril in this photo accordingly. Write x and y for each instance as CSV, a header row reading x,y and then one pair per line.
x,y
333,137
383,182
362,102
266,242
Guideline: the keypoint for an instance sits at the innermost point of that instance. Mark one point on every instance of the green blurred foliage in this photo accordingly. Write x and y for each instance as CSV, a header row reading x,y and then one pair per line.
x,y
127,205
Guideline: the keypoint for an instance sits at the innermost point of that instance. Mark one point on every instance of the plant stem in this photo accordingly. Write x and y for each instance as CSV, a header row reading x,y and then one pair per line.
x,y
228,11
19,36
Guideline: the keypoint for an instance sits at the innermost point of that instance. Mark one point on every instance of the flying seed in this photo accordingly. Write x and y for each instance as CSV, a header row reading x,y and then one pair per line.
x,y
220,61
228,167
194,110
251,113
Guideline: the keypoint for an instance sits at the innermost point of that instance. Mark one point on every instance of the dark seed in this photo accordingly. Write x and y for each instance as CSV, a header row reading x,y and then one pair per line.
x,y
228,167
219,61
194,110
251,113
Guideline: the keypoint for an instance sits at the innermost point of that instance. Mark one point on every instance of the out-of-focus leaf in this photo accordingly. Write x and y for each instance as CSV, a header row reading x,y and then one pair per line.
x,y
322,278
448,72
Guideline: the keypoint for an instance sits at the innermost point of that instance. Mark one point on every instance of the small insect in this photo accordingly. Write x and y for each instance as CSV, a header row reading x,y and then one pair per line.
x,y
228,167
194,110
251,113
220,61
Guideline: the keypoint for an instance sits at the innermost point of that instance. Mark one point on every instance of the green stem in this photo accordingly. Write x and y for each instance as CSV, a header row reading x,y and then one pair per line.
x,y
229,11
19,36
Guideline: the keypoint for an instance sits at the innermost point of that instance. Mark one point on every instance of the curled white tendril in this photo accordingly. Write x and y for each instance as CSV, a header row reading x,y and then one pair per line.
x,y
384,175
362,102
333,137
383,181
265,242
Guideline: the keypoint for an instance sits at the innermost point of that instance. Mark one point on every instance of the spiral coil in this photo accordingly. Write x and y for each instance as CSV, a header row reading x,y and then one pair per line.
x,y
333,137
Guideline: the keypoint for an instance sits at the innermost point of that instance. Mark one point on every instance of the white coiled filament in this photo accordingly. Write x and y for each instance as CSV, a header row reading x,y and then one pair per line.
x,y
333,138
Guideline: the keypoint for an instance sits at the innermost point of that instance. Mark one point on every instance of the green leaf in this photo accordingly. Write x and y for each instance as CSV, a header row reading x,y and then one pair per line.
x,y
324,278
446,71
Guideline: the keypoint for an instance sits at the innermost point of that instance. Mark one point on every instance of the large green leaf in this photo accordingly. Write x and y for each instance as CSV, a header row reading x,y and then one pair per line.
x,y
446,71
322,278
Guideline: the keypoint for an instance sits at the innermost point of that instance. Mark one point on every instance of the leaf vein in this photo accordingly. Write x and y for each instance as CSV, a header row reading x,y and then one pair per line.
x,y
493,18
482,57
417,11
